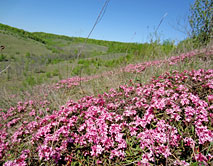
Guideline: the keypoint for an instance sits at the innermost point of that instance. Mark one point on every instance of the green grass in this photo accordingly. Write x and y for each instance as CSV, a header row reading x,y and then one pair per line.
x,y
17,46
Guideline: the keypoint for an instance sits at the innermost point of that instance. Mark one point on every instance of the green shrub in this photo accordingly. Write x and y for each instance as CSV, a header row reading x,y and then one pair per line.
x,y
77,70
40,79
29,81
55,72
200,20
48,74
27,55
3,58
168,46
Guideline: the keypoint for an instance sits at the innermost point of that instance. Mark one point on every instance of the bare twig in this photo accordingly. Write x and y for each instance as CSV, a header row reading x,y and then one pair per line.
x,y
99,18
5,69
161,21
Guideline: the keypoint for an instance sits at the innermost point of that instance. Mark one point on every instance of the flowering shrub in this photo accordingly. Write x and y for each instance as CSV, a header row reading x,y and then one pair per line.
x,y
167,121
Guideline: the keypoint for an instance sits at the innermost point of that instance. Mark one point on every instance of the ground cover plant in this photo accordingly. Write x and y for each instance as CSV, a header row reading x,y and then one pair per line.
x,y
165,122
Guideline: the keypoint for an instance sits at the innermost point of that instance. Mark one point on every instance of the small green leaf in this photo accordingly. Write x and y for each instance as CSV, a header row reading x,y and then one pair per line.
x,y
193,129
194,164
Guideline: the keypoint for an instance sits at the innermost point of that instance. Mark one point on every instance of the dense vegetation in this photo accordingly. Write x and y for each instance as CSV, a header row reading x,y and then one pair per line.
x,y
164,122
200,20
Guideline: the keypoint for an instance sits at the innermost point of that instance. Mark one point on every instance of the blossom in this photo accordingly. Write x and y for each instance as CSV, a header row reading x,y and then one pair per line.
x,y
96,150
201,158
182,163
189,142
210,98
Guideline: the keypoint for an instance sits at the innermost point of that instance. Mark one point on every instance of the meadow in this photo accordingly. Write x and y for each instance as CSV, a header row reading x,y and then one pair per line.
x,y
113,104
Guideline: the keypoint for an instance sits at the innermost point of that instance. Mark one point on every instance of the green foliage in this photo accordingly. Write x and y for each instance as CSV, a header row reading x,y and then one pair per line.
x,y
29,81
113,47
55,72
39,70
3,58
90,66
48,74
185,45
40,79
53,61
77,70
52,36
200,21
168,46
27,55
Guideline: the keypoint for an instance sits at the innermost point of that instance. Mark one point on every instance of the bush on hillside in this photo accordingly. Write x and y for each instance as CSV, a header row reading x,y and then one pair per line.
x,y
201,21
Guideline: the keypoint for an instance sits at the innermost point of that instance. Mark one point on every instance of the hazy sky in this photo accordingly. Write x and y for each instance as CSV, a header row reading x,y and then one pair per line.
x,y
124,20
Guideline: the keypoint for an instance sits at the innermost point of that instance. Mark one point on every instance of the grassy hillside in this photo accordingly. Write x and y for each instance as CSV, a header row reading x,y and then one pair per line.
x,y
17,46
36,58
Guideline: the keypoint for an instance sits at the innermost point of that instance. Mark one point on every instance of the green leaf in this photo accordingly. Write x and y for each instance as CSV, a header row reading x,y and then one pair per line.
x,y
193,129
194,164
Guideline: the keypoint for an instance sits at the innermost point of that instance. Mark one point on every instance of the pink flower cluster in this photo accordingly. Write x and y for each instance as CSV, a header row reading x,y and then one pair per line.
x,y
171,61
149,123
75,81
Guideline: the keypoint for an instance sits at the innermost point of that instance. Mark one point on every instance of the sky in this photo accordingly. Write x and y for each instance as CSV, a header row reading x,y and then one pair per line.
x,y
123,20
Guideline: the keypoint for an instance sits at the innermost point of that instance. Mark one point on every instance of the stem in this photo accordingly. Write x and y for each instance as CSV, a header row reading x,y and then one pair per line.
x,y
5,69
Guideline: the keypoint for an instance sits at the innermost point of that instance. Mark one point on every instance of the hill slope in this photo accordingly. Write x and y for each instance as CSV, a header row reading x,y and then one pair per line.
x,y
36,58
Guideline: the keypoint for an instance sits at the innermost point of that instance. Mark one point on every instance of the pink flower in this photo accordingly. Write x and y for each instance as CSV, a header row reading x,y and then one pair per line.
x,y
129,112
96,150
146,158
210,98
189,142
181,163
122,144
163,150
32,113
189,113
201,158
204,134
184,99
133,131
117,153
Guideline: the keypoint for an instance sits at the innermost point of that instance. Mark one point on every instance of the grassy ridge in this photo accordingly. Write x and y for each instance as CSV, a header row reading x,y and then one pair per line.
x,y
20,32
